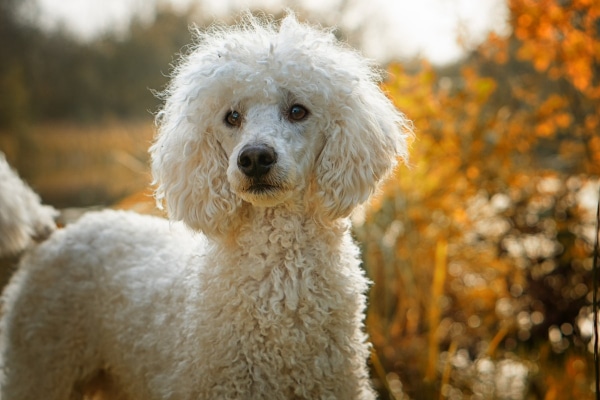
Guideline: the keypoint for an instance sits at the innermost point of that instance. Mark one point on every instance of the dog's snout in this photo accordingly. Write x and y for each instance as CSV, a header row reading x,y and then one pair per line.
x,y
256,160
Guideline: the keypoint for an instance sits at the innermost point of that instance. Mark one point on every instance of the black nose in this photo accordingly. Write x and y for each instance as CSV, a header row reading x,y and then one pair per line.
x,y
256,160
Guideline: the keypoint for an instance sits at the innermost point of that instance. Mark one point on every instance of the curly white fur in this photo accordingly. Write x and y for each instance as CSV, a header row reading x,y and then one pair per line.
x,y
23,219
269,304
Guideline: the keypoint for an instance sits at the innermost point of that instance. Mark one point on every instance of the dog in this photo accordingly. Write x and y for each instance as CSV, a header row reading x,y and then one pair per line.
x,y
271,134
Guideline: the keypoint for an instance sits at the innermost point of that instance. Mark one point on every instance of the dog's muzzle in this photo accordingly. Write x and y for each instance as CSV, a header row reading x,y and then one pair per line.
x,y
255,162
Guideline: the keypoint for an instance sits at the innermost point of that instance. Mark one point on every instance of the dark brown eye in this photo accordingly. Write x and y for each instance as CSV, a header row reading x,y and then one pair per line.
x,y
233,118
297,113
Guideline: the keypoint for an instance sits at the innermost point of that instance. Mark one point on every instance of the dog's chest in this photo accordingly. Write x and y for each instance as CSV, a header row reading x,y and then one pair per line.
x,y
281,319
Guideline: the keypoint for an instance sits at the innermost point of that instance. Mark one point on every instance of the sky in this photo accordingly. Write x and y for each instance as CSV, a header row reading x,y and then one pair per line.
x,y
389,29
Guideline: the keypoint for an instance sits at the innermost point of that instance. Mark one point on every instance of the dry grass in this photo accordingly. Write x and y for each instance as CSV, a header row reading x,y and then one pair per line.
x,y
71,165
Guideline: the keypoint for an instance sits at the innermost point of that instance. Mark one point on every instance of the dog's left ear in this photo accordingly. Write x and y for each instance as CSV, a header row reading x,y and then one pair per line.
x,y
361,149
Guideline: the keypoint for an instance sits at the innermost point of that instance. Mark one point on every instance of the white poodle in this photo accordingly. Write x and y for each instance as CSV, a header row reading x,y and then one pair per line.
x,y
269,138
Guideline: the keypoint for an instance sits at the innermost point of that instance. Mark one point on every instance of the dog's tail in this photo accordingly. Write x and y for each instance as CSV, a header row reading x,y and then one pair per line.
x,y
23,218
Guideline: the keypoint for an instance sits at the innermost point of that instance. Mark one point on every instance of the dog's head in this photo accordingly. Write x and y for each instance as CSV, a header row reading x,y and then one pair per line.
x,y
260,116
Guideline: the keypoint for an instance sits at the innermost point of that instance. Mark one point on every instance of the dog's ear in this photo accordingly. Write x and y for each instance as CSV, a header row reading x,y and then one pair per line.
x,y
189,168
361,149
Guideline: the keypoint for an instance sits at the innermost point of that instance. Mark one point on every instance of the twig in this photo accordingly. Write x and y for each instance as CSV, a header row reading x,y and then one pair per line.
x,y
380,371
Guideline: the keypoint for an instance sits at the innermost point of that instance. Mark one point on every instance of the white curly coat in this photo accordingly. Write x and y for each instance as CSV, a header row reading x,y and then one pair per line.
x,y
22,218
254,289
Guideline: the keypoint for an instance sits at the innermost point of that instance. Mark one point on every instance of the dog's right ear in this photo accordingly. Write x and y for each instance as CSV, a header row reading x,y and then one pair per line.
x,y
189,169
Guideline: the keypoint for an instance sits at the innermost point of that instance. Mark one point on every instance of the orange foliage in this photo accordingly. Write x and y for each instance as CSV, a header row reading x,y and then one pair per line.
x,y
564,37
562,44
505,145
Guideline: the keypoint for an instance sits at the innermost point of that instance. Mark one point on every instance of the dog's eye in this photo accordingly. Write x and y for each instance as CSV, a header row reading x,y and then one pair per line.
x,y
233,118
297,113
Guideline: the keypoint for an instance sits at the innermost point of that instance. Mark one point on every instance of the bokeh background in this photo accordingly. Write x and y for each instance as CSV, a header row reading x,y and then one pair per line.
x,y
480,250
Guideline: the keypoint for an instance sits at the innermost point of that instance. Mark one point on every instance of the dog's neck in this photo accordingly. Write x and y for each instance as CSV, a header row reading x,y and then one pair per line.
x,y
291,223
300,219
272,234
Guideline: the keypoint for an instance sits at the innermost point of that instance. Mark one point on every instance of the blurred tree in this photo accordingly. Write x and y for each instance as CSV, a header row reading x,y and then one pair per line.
x,y
139,64
52,76
558,88
15,39
494,214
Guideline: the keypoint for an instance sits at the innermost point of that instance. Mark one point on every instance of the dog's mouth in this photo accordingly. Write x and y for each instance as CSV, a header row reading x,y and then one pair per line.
x,y
263,191
264,194
262,188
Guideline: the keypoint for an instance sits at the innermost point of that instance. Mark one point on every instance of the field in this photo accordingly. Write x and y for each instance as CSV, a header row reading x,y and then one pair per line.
x,y
79,166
